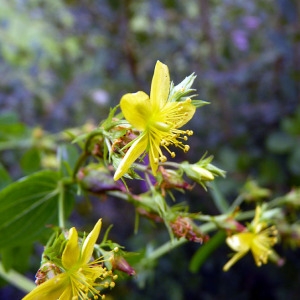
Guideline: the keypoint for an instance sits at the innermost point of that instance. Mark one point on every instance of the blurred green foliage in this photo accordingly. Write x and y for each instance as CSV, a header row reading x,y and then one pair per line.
x,y
65,62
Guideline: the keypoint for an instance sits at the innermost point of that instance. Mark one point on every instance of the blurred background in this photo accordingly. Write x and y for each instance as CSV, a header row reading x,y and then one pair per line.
x,y
66,62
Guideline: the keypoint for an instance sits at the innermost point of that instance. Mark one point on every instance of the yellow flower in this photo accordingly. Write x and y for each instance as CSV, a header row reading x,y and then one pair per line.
x,y
158,118
80,277
259,240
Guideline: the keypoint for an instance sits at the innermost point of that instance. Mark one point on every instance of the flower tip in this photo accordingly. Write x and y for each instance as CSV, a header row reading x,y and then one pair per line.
x,y
116,176
97,228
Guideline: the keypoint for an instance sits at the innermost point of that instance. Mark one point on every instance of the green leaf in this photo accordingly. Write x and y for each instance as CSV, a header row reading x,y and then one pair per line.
x,y
199,103
29,206
31,161
16,257
280,142
203,253
4,177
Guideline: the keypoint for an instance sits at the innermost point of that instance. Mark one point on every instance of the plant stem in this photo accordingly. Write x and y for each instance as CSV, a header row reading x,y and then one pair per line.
x,y
17,279
170,245
79,162
165,248
61,207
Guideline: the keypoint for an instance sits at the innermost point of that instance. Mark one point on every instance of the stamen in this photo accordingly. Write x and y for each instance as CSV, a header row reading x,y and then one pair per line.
x,y
163,159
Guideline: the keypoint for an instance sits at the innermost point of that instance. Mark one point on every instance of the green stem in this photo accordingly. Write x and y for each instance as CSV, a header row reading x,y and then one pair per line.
x,y
236,203
170,245
61,205
219,200
17,279
79,162
171,164
165,248
276,202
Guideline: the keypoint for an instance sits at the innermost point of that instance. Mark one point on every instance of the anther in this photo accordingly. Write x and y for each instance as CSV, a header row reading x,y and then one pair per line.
x,y
172,154
186,148
163,158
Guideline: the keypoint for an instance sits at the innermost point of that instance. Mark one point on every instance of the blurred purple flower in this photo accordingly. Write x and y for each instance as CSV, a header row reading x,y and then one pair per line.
x,y
251,22
240,40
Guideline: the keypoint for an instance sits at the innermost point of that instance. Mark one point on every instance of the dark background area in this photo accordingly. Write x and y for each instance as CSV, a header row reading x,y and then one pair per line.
x,y
63,63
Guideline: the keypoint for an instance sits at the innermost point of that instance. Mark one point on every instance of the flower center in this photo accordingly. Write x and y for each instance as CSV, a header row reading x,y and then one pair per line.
x,y
164,128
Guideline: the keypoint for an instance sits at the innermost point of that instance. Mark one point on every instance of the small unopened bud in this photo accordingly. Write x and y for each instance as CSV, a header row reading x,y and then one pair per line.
x,y
119,263
97,179
203,173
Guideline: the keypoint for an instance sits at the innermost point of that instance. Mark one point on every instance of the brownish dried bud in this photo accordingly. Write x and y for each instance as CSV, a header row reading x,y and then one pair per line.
x,y
171,179
183,227
46,272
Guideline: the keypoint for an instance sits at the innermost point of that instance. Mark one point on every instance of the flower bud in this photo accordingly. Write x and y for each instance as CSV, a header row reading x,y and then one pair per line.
x,y
253,192
97,179
119,263
47,271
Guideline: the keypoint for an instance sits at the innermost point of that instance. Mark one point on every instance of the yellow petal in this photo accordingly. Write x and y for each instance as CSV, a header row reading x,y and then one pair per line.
x,y
51,289
241,241
154,154
260,251
233,260
69,293
160,86
136,109
188,111
89,242
71,252
136,149
178,113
